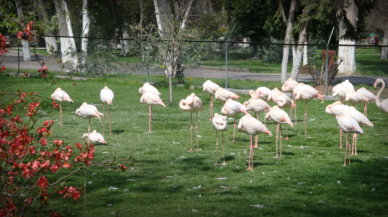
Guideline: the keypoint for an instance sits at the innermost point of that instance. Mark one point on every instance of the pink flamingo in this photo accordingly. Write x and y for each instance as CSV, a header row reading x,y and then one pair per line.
x,y
256,105
88,111
193,104
355,97
220,124
283,101
106,96
273,96
211,88
382,105
304,92
151,98
289,86
60,96
148,87
233,108
341,89
369,96
94,137
279,117
336,109
348,125
251,126
262,92
223,94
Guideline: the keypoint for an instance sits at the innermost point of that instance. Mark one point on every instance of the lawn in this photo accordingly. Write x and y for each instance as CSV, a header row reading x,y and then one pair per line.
x,y
166,180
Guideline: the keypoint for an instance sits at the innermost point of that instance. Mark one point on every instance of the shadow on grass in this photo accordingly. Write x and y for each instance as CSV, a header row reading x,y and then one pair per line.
x,y
117,131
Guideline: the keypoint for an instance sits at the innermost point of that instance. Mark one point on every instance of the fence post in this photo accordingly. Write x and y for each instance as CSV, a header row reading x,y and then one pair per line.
x,y
327,59
226,58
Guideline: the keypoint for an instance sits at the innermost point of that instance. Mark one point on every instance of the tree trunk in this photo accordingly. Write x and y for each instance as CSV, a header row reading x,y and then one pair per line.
x,y
384,50
347,29
85,31
305,59
299,52
51,45
127,42
72,47
62,31
287,40
25,44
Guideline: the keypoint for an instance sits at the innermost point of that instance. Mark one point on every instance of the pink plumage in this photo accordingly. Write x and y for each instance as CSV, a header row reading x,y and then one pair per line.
x,y
233,108
88,111
220,124
348,125
106,96
151,98
223,94
382,105
94,137
60,96
211,88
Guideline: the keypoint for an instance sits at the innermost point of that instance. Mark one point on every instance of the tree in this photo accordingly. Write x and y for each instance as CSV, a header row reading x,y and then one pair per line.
x,y
25,43
287,38
71,49
44,18
66,57
85,30
378,19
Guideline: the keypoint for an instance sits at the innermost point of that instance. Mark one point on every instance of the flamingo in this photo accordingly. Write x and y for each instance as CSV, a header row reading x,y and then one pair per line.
x,y
280,117
361,119
283,101
193,104
148,87
60,96
382,105
262,92
342,88
251,126
223,94
304,92
336,109
369,95
289,86
348,125
355,97
233,108
273,96
220,124
151,98
106,96
211,88
256,105
94,137
88,111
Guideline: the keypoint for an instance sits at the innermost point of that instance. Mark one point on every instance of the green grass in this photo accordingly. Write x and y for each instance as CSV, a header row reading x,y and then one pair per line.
x,y
308,180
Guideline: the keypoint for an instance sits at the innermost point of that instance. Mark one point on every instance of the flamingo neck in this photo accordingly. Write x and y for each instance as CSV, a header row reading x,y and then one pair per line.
x,y
379,93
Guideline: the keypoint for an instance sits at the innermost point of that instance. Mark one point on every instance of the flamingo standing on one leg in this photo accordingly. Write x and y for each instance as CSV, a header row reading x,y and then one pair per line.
x,y
355,97
304,92
220,124
151,98
148,87
94,137
106,96
223,94
289,86
283,101
193,104
382,105
342,88
60,96
348,125
88,111
211,88
256,105
369,96
233,108
251,126
280,117
336,109
262,92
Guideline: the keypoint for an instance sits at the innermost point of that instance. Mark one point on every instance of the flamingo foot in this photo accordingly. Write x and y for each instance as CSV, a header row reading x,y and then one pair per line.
x,y
190,150
223,164
249,168
197,149
256,146
287,138
276,157
216,163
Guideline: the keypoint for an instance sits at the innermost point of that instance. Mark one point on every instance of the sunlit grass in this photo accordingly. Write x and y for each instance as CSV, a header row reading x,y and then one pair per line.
x,y
308,180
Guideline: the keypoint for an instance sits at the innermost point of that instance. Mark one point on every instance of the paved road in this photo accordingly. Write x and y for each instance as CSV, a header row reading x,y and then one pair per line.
x,y
11,61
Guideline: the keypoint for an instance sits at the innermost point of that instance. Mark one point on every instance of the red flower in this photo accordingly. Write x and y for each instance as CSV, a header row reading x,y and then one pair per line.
x,y
42,183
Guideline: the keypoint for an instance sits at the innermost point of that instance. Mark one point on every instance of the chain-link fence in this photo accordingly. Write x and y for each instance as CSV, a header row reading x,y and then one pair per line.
x,y
110,55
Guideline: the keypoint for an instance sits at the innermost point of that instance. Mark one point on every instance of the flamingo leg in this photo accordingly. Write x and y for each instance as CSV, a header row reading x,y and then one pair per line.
x,y
88,131
305,120
191,130
60,112
250,154
103,121
365,109
286,132
277,138
110,124
150,118
196,128
234,128
252,151
295,110
216,147
346,148
349,150
256,145
223,154
265,111
211,107
355,144
281,138
340,138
